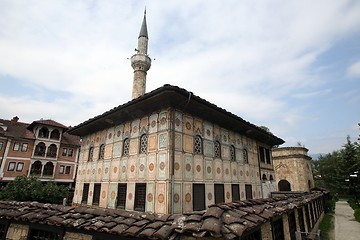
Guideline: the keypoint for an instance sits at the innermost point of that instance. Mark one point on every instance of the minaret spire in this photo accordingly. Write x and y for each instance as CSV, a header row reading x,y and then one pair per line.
x,y
140,61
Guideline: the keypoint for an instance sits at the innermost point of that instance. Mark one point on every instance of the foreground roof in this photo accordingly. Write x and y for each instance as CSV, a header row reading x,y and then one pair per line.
x,y
180,99
226,220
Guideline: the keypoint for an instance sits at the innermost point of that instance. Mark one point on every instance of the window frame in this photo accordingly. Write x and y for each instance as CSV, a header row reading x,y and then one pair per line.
x,y
64,152
24,145
140,197
17,166
96,194
246,156
91,154
85,194
126,147
12,168
102,152
232,153
235,192
217,149
248,191
198,194
1,145
198,145
143,144
61,169
219,193
121,196
70,152
67,170
16,147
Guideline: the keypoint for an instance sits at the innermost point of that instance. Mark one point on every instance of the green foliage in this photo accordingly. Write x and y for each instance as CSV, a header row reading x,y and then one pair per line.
x,y
326,226
332,169
356,208
31,189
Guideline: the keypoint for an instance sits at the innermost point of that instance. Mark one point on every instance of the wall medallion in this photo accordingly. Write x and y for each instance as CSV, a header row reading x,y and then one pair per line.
x,y
188,197
161,198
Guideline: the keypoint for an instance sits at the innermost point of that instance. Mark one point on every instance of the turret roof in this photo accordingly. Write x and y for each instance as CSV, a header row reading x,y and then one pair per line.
x,y
143,30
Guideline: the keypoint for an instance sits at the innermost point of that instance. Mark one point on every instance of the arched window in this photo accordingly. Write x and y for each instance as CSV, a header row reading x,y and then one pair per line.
x,y
55,134
143,143
271,178
51,152
43,133
264,178
217,149
91,154
198,145
48,169
40,149
126,147
36,168
284,185
102,151
232,153
245,155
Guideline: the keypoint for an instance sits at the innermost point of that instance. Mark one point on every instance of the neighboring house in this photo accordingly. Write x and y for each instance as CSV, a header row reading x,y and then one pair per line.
x,y
293,169
42,148
170,151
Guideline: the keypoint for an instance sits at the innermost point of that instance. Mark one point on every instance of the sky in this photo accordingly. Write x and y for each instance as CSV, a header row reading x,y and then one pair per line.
x,y
292,66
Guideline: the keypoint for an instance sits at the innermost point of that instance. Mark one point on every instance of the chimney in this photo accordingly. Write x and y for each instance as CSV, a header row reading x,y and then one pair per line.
x,y
14,120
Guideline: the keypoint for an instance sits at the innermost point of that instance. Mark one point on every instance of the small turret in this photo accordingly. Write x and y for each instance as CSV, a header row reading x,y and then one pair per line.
x,y
141,62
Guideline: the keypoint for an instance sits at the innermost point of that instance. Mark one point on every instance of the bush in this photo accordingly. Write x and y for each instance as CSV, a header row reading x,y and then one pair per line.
x,y
31,189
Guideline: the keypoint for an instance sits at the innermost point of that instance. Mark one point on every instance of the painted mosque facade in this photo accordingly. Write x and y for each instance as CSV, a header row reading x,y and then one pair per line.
x,y
170,151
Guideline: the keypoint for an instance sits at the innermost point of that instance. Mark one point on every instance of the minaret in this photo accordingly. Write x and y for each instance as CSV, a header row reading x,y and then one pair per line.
x,y
141,62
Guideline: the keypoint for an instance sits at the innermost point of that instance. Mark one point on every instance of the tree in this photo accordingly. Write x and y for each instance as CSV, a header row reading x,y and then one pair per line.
x,y
31,189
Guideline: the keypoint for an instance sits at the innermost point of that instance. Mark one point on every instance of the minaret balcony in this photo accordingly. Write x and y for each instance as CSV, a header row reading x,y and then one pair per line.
x,y
140,62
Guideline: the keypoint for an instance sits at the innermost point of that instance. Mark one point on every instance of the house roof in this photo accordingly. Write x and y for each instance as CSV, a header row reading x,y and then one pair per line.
x,y
47,122
182,100
226,220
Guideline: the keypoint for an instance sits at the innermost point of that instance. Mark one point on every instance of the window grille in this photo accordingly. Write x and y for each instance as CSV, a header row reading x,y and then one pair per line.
x,y
219,193
102,151
85,193
143,143
37,234
91,154
232,153
235,192
96,193
121,197
217,150
198,145
126,147
198,197
140,196
245,156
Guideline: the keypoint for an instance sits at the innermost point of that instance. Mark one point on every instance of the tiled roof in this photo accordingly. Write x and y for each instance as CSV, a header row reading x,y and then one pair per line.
x,y
47,122
227,220
17,129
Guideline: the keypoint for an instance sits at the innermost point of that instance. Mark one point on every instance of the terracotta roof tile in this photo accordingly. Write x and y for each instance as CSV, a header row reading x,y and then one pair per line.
x,y
227,220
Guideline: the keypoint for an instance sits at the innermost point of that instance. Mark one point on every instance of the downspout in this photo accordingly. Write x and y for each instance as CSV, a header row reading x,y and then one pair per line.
x,y
172,148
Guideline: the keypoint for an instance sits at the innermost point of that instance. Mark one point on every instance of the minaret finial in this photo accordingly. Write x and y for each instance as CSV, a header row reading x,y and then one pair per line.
x,y
140,61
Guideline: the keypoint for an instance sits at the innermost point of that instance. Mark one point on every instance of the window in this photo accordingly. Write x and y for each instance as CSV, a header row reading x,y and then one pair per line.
x,y
1,145
278,229
51,152
245,155
70,152
284,185
55,134
217,150
102,151
64,152
235,192
121,197
143,143
19,167
62,168
37,234
48,169
96,194
255,235
11,166
24,147
43,133
261,154
16,146
271,178
248,191
40,149
232,153
91,153
85,193
307,218
140,195
219,193
36,168
267,155
126,147
198,197
198,145
264,178
3,229
67,169
301,219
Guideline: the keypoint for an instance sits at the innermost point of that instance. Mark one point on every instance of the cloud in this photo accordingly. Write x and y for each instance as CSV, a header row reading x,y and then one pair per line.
x,y
312,94
353,70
